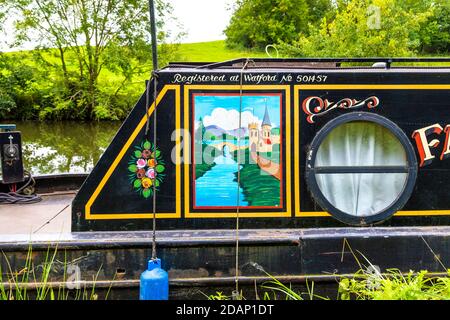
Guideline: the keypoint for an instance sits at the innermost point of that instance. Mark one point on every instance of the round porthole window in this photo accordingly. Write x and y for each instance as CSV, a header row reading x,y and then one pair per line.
x,y
361,168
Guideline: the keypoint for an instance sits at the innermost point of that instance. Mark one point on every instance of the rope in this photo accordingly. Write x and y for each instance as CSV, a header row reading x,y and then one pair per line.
x,y
155,85
17,196
147,125
236,294
50,220
154,178
271,46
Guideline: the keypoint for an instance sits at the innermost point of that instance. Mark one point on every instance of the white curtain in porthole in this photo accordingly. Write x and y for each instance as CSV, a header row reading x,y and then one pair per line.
x,y
361,144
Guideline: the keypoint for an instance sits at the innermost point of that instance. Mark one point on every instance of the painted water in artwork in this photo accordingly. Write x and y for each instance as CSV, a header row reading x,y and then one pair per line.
x,y
224,142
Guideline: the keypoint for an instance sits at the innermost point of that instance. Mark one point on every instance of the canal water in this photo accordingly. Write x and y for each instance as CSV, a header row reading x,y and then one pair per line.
x,y
218,186
242,142
64,147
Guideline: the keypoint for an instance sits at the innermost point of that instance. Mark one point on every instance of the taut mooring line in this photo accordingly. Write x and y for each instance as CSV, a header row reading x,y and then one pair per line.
x,y
236,294
155,88
154,178
50,220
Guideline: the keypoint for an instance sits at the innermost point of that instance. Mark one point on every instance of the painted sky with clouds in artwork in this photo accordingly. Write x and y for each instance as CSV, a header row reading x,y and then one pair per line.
x,y
223,111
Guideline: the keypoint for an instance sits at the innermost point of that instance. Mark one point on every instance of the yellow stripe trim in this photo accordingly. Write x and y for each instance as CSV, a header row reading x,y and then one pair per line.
x,y
307,214
297,89
126,146
372,86
187,196
296,152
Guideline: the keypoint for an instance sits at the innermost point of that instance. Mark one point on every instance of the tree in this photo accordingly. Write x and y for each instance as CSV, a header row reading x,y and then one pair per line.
x,y
352,34
257,23
17,87
97,34
200,132
435,32
319,9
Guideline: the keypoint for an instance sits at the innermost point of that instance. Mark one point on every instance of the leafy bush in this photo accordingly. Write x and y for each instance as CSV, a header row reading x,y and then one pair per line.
x,y
7,105
352,34
345,28
435,32
257,23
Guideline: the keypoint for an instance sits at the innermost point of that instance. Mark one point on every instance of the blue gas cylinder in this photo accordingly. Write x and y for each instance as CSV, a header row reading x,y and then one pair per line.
x,y
154,282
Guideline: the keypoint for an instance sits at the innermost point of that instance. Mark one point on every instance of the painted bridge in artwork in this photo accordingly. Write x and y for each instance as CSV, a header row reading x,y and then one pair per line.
x,y
231,145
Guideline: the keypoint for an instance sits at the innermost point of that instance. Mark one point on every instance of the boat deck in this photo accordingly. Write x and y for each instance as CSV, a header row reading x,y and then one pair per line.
x,y
51,215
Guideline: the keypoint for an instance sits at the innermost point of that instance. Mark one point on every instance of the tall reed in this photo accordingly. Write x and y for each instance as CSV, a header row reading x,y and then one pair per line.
x,y
16,285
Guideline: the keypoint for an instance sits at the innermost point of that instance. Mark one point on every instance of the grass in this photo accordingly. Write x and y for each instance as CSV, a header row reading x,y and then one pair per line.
x,y
259,188
17,284
276,289
202,168
214,51
368,283
395,285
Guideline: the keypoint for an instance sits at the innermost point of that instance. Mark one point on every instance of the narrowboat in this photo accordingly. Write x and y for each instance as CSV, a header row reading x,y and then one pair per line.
x,y
240,170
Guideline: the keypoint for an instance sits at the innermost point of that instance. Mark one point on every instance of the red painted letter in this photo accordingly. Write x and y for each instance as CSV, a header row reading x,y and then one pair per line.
x,y
446,152
423,146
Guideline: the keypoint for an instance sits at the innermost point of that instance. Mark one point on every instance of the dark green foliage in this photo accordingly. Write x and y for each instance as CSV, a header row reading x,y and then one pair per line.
x,y
19,94
404,28
342,28
200,132
257,23
435,32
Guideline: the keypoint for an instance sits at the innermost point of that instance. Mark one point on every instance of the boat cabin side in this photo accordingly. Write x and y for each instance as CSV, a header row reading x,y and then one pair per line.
x,y
279,146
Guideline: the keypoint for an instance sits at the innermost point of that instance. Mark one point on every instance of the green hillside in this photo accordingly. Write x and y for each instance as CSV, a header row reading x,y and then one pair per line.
x,y
214,51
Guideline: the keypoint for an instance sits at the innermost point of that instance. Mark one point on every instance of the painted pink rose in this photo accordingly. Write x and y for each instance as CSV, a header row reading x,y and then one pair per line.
x,y
141,163
151,173
146,154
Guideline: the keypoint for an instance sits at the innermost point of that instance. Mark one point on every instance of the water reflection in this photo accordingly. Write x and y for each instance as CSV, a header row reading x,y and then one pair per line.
x,y
61,147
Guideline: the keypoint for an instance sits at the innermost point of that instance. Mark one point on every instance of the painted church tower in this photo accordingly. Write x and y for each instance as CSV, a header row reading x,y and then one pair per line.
x,y
253,132
265,141
266,126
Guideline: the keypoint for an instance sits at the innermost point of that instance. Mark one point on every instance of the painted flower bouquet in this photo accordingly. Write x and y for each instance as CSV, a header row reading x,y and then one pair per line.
x,y
146,168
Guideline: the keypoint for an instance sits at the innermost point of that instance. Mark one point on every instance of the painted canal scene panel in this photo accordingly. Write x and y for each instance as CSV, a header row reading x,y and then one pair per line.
x,y
232,133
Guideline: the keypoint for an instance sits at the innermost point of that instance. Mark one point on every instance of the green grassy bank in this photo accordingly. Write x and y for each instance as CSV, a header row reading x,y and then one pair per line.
x,y
259,188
